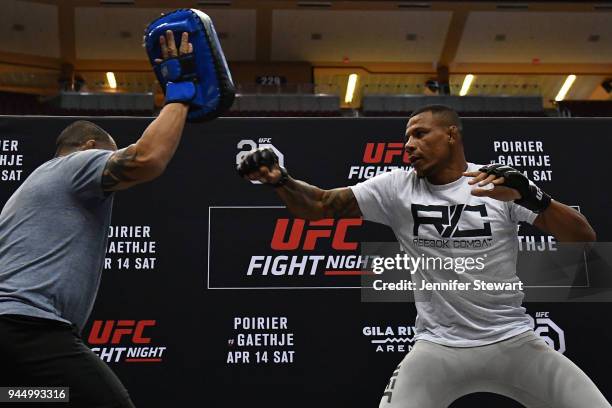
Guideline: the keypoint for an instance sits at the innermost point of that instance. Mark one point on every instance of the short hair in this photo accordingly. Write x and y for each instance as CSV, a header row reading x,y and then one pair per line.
x,y
446,113
78,133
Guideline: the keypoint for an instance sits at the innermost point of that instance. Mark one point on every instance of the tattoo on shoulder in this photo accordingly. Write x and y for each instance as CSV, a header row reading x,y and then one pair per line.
x,y
342,203
117,168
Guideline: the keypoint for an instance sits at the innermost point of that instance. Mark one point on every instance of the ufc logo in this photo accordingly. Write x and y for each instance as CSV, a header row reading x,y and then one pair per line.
x,y
106,331
306,238
548,331
384,152
448,219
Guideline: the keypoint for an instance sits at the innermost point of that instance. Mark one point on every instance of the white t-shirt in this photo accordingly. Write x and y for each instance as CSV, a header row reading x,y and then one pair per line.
x,y
447,221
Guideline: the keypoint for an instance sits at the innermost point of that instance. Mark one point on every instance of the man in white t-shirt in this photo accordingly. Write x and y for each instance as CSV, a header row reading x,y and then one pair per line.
x,y
467,341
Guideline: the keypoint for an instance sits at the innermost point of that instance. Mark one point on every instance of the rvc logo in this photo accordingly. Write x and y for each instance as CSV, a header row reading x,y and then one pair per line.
x,y
445,218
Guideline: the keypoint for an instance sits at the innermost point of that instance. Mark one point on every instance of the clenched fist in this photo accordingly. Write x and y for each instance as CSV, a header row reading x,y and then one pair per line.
x,y
262,165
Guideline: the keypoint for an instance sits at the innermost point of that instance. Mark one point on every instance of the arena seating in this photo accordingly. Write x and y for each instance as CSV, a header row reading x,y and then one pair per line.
x,y
107,102
285,105
24,104
293,104
12,103
577,108
121,104
401,105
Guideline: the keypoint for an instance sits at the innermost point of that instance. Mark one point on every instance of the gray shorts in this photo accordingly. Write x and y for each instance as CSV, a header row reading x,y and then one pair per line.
x,y
522,367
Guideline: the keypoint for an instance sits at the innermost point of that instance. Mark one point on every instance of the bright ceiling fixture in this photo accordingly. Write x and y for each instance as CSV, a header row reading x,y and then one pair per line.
x,y
467,82
569,81
350,88
112,82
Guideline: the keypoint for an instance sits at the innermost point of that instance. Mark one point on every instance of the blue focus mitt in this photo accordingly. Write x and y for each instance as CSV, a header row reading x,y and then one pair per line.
x,y
201,78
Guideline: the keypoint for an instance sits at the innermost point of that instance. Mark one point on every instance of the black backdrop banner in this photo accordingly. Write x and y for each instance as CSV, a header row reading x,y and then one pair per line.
x,y
214,295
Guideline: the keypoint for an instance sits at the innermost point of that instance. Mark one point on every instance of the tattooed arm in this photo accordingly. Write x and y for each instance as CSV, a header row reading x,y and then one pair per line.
x,y
147,158
312,203
302,199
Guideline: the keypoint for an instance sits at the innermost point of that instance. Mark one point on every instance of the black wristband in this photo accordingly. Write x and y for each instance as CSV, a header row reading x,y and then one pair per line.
x,y
283,179
536,201
532,197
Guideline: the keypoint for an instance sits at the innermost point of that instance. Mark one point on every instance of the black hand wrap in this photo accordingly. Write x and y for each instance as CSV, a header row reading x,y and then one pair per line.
x,y
532,197
262,157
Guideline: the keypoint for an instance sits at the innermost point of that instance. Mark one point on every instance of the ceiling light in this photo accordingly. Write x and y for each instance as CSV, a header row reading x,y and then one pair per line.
x,y
350,88
569,81
112,82
467,82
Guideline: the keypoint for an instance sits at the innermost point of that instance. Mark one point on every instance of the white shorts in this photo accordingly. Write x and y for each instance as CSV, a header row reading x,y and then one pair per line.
x,y
522,367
